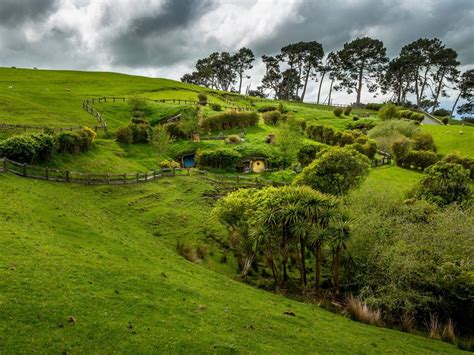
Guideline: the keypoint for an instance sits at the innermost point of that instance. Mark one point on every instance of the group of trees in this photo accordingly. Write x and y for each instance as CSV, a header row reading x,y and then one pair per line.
x,y
424,69
222,70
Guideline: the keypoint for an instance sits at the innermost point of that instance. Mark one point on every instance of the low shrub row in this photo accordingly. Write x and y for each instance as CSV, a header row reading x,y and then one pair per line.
x,y
272,117
138,131
221,158
41,147
229,119
406,156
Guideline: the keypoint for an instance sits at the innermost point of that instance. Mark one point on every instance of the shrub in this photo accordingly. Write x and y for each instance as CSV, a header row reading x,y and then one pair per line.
x,y
141,133
363,124
137,105
348,110
360,312
272,117
124,135
388,112
355,118
75,142
45,146
400,149
267,108
368,148
338,112
202,99
309,151
216,107
321,133
466,162
420,159
169,164
21,149
423,141
174,130
405,114
345,138
335,171
222,158
228,120
445,120
233,139
282,108
373,106
441,112
417,117
445,183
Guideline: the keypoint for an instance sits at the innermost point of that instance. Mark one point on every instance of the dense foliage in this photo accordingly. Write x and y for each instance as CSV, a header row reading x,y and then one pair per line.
x,y
229,119
221,158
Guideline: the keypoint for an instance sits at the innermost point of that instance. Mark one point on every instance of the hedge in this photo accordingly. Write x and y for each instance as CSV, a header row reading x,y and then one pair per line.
x,y
19,148
309,151
228,120
466,162
272,117
75,142
420,159
222,158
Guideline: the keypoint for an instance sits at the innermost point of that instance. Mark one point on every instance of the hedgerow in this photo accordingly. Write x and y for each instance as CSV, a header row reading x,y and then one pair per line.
x,y
221,158
228,120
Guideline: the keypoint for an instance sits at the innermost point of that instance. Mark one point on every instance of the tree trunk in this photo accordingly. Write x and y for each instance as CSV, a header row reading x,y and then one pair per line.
x,y
455,103
303,260
317,268
423,85
330,92
336,268
240,83
438,91
305,84
359,85
320,85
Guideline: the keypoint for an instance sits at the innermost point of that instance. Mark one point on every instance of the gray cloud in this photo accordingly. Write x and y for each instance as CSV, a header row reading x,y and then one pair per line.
x,y
16,12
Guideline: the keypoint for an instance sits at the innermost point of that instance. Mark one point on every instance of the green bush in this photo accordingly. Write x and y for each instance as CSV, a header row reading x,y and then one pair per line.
x,y
405,114
21,149
124,135
355,118
321,133
282,108
216,107
137,105
233,139
368,148
363,124
169,164
174,130
141,133
228,120
348,110
309,151
373,106
75,142
388,112
272,117
417,117
441,112
445,120
221,158
420,159
45,146
466,162
338,112
400,149
336,171
267,108
445,183
202,99
423,141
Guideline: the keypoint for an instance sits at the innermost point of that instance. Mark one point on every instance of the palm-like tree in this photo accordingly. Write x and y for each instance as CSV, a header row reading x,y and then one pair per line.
x,y
340,234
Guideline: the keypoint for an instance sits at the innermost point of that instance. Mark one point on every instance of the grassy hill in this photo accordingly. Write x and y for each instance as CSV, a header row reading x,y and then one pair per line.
x,y
106,255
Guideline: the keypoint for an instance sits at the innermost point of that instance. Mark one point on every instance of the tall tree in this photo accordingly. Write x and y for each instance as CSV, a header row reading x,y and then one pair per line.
x,y
242,61
465,87
330,67
362,61
284,84
420,55
398,79
446,63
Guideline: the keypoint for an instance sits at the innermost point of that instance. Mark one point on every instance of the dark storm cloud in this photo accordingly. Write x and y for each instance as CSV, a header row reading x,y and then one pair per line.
x,y
334,22
159,38
16,12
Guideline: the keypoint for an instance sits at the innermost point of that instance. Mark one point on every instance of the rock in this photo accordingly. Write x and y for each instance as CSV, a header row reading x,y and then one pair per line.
x,y
71,319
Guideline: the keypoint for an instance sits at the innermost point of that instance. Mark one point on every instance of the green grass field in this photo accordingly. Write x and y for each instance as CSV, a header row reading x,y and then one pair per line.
x,y
106,255
450,139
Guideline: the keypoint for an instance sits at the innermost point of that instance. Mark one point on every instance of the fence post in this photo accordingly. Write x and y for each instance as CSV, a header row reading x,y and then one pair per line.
x,y
146,177
108,178
138,177
24,169
5,164
67,175
154,174
189,171
46,173
124,178
89,179
174,171
238,179
105,99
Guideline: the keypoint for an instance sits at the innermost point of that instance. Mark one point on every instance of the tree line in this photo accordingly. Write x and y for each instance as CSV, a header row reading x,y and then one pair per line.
x,y
424,70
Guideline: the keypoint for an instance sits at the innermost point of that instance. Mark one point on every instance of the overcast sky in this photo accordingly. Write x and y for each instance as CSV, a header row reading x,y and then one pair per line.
x,y
164,38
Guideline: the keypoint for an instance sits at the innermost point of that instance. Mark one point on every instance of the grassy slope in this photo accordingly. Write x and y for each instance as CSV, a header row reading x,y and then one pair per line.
x,y
90,252
449,139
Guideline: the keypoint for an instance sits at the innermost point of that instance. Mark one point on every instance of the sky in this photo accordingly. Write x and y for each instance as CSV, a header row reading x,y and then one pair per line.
x,y
164,38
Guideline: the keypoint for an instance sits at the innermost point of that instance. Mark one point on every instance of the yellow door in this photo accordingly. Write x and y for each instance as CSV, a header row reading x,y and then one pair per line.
x,y
258,166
